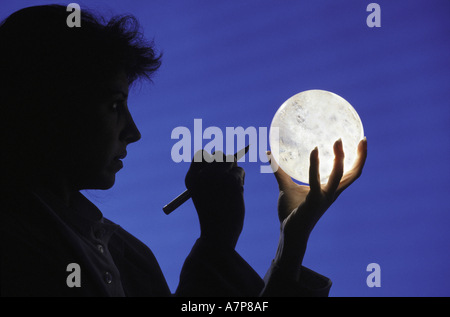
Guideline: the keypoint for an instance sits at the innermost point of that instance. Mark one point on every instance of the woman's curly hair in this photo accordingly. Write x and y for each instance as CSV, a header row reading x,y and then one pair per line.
x,y
48,68
40,51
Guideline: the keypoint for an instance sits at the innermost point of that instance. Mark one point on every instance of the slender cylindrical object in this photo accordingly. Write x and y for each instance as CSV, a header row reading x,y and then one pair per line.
x,y
177,202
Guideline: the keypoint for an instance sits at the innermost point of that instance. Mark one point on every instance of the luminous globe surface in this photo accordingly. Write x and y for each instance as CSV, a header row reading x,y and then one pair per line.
x,y
309,119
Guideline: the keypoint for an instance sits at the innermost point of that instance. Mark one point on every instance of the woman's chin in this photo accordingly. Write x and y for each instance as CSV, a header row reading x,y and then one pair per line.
x,y
102,182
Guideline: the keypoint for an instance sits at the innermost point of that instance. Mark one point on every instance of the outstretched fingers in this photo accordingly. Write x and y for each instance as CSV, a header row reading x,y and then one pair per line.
x,y
338,168
361,157
355,172
314,175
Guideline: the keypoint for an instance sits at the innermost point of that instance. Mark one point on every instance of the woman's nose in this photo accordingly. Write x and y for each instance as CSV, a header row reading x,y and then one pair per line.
x,y
131,133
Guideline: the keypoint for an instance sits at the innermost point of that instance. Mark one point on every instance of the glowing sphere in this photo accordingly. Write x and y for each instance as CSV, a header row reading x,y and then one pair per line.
x,y
309,119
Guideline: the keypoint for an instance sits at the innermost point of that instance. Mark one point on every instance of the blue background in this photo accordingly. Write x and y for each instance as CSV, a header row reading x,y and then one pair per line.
x,y
233,63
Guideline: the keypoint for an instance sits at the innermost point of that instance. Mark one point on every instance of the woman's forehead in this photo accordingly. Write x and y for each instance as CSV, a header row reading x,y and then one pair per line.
x,y
115,85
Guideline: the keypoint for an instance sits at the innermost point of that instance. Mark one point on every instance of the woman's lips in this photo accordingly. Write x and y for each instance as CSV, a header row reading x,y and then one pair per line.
x,y
117,160
121,157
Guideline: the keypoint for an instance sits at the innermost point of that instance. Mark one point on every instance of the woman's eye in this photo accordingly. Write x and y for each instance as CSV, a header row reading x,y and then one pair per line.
x,y
116,104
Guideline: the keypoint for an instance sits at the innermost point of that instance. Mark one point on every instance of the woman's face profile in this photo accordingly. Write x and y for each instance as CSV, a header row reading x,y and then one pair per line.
x,y
101,139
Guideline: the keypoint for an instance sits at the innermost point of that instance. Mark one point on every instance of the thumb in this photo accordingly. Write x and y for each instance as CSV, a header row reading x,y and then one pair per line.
x,y
283,179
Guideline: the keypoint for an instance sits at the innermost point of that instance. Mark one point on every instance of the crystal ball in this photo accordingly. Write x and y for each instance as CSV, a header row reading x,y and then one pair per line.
x,y
309,119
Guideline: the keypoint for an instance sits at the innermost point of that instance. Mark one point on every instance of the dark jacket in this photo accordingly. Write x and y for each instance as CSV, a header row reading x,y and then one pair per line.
x,y
38,242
